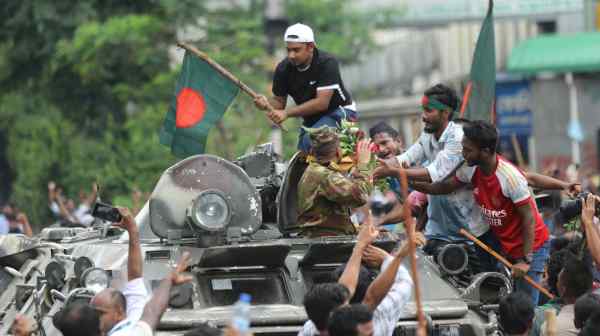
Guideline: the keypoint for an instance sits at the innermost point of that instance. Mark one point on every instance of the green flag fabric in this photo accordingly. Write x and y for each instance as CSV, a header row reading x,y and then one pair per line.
x,y
480,103
202,95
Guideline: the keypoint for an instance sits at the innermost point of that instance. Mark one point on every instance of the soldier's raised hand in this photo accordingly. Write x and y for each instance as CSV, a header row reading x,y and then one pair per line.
x,y
363,153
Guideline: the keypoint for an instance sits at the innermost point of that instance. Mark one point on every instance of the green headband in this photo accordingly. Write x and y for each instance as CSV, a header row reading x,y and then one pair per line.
x,y
433,103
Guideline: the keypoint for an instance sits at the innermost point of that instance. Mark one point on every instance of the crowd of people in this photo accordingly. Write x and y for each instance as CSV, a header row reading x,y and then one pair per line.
x,y
458,183
459,180
63,210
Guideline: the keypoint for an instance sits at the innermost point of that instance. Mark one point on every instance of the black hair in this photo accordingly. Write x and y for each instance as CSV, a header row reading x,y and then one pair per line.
x,y
555,264
482,133
344,320
383,127
592,325
577,277
321,299
445,95
516,312
585,306
365,277
77,317
204,329
559,243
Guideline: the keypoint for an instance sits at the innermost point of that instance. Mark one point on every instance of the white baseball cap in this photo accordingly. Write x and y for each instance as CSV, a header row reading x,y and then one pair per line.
x,y
299,33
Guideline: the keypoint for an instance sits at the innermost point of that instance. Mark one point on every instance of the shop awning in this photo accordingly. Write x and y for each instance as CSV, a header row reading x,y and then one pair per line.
x,y
556,53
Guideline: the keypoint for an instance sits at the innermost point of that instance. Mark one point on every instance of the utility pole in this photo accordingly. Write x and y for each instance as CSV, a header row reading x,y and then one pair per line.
x,y
275,23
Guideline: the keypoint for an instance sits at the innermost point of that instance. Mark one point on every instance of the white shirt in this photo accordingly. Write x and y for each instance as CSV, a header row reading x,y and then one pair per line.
x,y
446,212
389,310
82,214
136,296
4,226
565,324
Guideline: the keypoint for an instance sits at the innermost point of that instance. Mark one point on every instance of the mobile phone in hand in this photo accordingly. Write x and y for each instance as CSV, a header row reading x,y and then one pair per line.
x,y
106,212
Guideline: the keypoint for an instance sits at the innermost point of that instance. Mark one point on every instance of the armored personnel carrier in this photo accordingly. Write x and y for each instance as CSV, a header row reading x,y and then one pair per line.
x,y
238,221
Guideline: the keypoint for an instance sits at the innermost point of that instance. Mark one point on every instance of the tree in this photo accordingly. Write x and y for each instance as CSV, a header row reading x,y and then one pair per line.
x,y
85,85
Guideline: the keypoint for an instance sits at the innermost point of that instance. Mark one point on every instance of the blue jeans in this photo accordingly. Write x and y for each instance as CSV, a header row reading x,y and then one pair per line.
x,y
487,262
330,119
536,269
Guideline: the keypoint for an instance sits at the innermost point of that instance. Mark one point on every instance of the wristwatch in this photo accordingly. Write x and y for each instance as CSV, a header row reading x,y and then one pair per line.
x,y
527,259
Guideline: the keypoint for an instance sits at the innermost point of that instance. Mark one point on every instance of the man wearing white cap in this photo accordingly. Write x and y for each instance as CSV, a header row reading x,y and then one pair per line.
x,y
312,78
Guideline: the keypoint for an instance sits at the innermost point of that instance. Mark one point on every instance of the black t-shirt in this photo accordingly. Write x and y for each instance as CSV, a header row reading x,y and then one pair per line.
x,y
323,74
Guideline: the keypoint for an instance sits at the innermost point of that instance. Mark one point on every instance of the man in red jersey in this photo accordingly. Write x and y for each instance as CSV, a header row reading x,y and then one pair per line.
x,y
506,202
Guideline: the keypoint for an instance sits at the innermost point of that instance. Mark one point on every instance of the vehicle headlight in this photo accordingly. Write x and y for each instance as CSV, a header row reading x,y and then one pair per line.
x,y
95,279
210,211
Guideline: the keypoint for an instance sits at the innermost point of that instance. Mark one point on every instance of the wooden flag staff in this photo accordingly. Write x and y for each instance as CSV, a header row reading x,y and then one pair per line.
x,y
505,262
409,224
227,75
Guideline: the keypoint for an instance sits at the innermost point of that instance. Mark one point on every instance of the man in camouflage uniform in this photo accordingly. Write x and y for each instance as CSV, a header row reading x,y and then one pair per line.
x,y
325,195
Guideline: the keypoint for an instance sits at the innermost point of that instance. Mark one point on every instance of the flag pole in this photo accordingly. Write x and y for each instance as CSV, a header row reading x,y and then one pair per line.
x,y
410,233
465,99
505,262
245,88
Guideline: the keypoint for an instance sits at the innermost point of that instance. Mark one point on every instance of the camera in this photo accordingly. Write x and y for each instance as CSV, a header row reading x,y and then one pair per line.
x,y
572,209
106,212
380,204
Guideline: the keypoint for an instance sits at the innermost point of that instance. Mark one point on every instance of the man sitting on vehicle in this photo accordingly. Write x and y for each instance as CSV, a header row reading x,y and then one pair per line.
x,y
325,195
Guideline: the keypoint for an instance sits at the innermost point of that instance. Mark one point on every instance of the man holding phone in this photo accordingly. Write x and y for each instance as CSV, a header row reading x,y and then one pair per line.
x,y
120,310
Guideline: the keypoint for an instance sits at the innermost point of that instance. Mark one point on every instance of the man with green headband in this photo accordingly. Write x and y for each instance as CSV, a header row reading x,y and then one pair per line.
x,y
434,156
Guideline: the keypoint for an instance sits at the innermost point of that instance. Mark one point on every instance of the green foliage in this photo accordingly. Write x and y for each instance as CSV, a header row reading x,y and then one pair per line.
x,y
338,28
85,85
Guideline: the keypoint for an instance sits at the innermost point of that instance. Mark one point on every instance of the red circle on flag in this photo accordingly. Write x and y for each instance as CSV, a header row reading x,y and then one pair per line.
x,y
190,108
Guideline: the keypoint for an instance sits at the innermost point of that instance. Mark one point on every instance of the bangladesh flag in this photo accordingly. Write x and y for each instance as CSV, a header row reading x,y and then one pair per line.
x,y
202,95
480,95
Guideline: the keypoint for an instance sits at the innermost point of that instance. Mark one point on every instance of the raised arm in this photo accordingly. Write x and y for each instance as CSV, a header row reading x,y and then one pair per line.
x,y
396,215
438,188
550,183
91,198
63,209
591,231
154,309
134,260
349,277
24,221
385,280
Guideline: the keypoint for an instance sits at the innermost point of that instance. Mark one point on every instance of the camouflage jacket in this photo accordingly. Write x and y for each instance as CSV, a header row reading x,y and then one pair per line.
x,y
326,197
